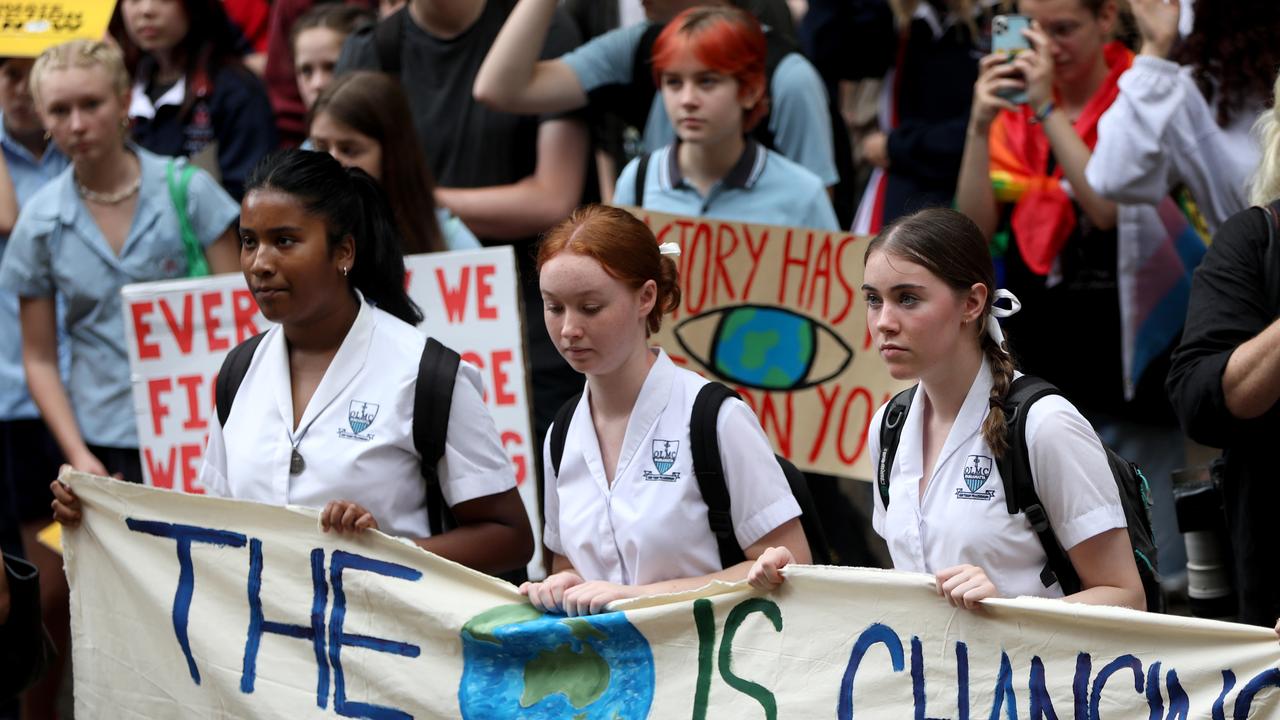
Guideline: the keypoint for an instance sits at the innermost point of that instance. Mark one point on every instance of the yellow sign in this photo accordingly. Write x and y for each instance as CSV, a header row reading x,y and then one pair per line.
x,y
27,27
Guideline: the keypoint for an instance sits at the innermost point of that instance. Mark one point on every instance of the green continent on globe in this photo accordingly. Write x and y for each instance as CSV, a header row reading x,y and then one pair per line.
x,y
582,677
482,626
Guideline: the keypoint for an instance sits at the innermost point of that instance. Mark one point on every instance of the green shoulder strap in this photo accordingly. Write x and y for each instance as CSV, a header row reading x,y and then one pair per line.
x,y
197,265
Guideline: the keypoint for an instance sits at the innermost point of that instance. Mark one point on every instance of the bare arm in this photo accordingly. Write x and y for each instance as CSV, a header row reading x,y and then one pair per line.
x,y
40,361
224,254
589,598
1107,571
1071,152
530,206
8,199
974,196
513,79
1251,381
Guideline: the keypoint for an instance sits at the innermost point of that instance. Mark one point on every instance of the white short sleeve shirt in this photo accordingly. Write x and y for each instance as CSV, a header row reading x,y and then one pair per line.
x,y
356,434
962,517
651,524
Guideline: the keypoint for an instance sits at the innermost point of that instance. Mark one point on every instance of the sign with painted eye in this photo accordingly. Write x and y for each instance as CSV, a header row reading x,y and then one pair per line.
x,y
766,348
777,313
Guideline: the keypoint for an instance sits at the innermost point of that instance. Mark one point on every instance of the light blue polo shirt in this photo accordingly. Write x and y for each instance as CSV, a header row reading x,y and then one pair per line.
x,y
57,247
800,117
762,187
28,174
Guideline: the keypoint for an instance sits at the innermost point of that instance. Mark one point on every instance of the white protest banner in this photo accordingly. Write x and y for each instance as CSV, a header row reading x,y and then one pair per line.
x,y
777,313
178,332
193,607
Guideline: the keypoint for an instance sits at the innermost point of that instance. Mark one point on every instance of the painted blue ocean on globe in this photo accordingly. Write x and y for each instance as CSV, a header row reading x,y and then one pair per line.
x,y
519,663
764,347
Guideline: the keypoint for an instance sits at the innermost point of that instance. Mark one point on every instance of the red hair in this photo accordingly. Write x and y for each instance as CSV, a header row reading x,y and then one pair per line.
x,y
624,247
726,40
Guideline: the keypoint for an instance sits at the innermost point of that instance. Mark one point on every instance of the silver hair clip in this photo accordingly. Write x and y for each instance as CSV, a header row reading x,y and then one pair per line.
x,y
669,248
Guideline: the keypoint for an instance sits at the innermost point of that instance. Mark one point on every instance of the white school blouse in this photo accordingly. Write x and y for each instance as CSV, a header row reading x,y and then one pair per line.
x,y
962,517
651,524
356,434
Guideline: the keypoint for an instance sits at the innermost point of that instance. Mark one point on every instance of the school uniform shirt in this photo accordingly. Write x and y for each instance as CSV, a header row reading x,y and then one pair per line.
x,y
651,523
762,187
56,247
356,433
29,175
963,519
799,118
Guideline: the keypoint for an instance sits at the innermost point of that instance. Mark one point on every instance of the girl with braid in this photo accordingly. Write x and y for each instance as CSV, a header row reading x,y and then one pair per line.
x,y
929,287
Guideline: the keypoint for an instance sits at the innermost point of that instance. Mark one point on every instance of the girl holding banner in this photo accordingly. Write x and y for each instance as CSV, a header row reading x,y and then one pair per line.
x,y
928,285
324,415
107,221
710,65
624,514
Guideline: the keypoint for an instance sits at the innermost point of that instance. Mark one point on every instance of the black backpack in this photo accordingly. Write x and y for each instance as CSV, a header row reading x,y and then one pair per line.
x,y
433,396
632,102
1020,492
705,446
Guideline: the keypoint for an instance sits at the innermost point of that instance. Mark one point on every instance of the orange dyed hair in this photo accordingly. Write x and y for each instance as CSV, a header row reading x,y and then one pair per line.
x,y
726,40
624,247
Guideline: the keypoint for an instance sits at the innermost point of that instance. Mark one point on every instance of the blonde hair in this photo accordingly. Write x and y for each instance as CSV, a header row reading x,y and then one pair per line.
x,y
81,54
1265,185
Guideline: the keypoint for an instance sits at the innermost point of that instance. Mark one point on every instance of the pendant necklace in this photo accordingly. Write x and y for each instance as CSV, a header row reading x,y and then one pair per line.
x,y
297,464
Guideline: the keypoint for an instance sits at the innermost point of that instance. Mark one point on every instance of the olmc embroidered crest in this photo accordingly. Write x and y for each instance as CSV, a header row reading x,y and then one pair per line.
x,y
977,470
664,456
360,416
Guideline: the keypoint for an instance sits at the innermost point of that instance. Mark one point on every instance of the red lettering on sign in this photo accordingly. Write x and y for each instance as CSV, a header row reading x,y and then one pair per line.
x,y
722,273
756,251
210,302
510,437
161,472
190,454
769,417
156,387
842,432
244,310
195,420
142,328
828,408
846,284
501,394
455,298
408,279
701,241
183,332
788,261
484,292
821,273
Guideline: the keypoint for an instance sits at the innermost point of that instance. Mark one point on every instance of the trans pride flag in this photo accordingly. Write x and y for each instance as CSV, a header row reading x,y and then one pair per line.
x,y
1159,247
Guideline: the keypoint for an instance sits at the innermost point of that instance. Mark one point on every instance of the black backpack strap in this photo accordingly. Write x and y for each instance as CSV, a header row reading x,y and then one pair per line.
x,y
1019,484
641,170
560,430
387,38
432,399
705,446
890,433
231,374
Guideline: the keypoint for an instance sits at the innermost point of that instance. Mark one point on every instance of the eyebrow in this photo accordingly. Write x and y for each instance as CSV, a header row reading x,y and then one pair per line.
x,y
901,286
276,229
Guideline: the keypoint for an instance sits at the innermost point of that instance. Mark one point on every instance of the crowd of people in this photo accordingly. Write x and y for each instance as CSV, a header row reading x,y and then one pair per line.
x,y
1080,179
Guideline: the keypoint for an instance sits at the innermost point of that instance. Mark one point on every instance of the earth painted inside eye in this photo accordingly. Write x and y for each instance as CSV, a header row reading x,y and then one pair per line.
x,y
769,348
520,663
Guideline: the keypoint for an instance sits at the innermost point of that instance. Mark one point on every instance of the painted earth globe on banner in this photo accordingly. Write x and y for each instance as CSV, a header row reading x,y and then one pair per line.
x,y
520,663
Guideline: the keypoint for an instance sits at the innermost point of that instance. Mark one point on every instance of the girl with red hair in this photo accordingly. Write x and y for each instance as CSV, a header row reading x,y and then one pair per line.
x,y
710,65
624,513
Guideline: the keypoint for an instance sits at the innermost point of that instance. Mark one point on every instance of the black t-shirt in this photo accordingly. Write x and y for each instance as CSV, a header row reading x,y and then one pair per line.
x,y
467,144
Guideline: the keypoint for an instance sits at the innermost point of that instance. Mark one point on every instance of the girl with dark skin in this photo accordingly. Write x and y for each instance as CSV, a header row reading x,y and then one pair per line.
x,y
319,251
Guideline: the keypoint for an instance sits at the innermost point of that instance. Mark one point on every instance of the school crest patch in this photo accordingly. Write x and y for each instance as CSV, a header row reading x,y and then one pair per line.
x,y
664,457
977,470
360,415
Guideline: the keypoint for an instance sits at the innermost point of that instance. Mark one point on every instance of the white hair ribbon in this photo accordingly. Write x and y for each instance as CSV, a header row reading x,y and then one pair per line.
x,y
668,248
993,324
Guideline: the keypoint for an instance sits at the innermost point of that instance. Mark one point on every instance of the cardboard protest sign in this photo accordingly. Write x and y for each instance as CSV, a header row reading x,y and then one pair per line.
x,y
193,607
28,27
178,332
778,314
